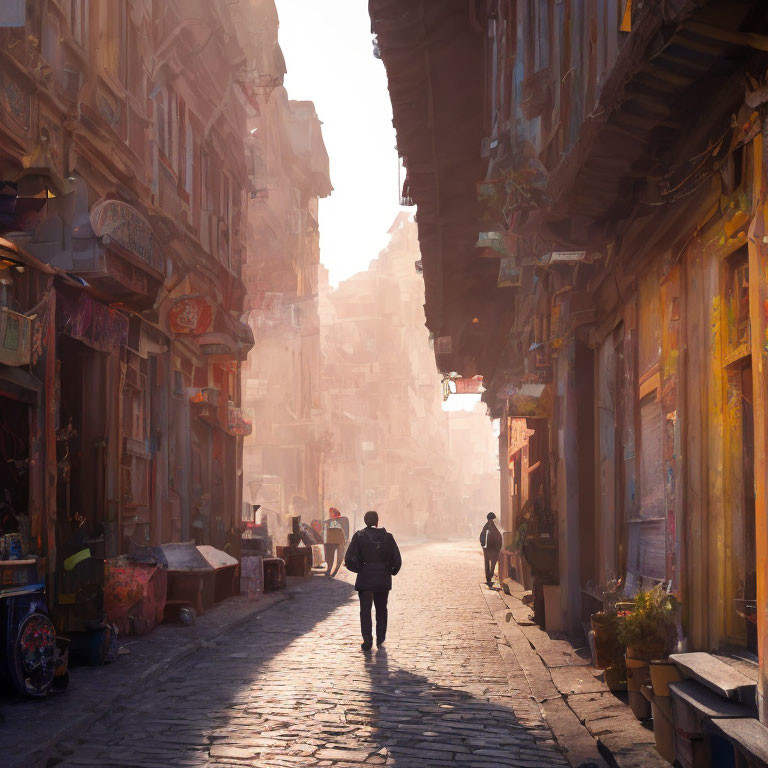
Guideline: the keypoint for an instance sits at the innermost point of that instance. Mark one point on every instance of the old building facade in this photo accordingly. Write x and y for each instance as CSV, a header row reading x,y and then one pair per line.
x,y
390,445
124,204
598,206
288,165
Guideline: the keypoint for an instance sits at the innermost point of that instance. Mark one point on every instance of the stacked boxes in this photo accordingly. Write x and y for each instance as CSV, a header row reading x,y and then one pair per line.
x,y
252,576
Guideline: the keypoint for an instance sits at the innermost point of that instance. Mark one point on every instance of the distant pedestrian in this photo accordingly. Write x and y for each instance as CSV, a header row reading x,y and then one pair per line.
x,y
491,541
336,537
373,555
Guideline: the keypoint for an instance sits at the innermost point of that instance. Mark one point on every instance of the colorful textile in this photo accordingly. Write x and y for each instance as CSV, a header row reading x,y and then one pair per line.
x,y
91,322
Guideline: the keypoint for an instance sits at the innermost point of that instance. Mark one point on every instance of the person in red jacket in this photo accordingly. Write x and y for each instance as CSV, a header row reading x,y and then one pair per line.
x,y
490,540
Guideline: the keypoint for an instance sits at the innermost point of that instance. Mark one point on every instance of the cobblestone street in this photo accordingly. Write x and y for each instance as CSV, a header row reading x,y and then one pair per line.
x,y
292,688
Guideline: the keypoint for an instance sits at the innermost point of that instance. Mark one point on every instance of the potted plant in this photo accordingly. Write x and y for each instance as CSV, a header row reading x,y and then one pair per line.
x,y
605,627
648,628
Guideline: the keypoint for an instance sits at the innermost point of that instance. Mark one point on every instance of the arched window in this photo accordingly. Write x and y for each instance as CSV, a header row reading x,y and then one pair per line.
x,y
161,120
78,20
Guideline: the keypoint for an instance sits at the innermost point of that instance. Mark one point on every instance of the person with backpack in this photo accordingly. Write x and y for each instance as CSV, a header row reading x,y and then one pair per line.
x,y
373,555
491,541
336,536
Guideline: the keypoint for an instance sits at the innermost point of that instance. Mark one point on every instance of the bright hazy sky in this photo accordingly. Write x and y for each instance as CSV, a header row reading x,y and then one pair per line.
x,y
329,55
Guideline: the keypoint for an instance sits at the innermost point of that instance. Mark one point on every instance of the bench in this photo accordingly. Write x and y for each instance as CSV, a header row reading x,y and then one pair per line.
x,y
749,738
693,704
693,707
716,675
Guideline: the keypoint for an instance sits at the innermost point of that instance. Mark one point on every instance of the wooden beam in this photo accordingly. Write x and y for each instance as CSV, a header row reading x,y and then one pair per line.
x,y
758,296
746,39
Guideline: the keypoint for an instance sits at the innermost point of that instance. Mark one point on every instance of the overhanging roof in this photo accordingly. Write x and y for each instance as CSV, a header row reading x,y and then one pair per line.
x,y
678,79
433,54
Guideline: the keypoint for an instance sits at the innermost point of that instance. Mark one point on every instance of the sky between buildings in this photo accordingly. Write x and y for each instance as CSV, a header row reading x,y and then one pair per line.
x,y
329,55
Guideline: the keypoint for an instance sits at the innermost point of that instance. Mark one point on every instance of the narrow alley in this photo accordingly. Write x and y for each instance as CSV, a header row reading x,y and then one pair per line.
x,y
292,688
493,272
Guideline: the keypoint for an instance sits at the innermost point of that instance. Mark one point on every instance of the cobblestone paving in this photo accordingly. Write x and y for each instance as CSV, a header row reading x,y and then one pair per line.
x,y
292,688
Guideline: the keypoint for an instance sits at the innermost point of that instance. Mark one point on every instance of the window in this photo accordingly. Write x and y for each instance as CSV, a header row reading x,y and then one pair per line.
x,y
538,34
167,121
173,131
737,298
78,21
161,120
211,182
122,38
225,208
189,157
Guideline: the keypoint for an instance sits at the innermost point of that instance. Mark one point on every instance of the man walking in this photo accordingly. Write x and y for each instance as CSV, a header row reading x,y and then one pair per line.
x,y
336,535
373,555
490,539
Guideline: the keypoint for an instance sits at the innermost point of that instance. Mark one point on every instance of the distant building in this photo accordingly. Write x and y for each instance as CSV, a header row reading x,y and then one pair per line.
x,y
288,167
389,439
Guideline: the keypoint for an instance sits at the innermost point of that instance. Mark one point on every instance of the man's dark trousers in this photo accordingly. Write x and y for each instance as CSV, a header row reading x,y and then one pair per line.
x,y
491,558
367,600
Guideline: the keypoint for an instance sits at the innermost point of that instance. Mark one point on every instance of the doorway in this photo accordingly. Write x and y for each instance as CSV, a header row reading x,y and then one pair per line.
x,y
14,468
741,621
80,438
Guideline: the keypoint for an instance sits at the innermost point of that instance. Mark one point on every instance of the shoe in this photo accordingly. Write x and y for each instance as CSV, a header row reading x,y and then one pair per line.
x,y
366,646
379,643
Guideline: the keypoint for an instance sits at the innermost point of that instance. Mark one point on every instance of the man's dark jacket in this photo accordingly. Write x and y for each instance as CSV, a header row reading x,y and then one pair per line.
x,y
490,537
373,555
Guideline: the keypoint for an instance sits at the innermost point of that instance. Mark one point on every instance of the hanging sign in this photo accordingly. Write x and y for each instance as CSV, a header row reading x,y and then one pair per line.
x,y
568,256
564,257
190,314
473,386
237,423
510,274
117,222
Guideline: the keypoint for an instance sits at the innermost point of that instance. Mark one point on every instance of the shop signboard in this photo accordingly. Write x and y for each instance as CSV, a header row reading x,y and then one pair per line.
x,y
15,337
118,223
530,400
473,386
190,315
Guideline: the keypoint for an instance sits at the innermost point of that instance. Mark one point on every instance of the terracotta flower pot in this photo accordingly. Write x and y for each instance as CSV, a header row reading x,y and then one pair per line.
x,y
662,674
647,653
640,706
638,673
607,646
616,677
663,732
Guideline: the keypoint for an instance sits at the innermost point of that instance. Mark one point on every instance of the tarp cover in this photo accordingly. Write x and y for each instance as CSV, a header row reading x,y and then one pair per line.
x,y
216,558
183,556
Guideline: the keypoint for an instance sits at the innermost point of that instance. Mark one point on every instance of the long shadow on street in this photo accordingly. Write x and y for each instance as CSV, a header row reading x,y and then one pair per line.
x,y
418,723
292,689
202,700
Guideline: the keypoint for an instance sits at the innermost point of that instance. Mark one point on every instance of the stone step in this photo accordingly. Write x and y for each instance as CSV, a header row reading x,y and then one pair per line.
x,y
749,737
719,677
694,703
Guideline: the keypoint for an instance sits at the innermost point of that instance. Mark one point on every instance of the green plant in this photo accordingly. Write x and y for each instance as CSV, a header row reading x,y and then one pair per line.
x,y
519,538
649,626
613,593
608,650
